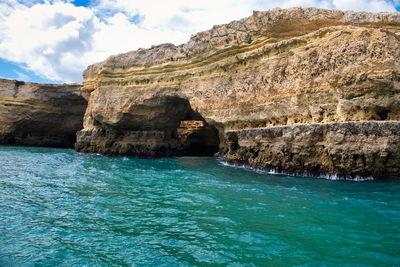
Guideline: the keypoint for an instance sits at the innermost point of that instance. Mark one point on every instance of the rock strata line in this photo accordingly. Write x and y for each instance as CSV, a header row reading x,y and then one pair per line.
x,y
40,114
346,150
283,67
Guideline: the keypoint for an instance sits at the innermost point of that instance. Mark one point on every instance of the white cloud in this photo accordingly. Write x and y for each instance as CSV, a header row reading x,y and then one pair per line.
x,y
364,5
44,35
21,76
57,40
118,35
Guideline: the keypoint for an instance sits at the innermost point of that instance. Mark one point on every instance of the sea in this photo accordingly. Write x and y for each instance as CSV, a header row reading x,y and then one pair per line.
x,y
62,208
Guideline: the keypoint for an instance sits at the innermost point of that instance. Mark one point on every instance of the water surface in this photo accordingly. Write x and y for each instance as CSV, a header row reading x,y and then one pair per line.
x,y
61,208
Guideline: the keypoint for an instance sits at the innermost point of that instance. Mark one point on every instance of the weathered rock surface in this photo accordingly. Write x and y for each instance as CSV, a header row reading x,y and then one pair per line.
x,y
157,126
40,114
346,149
197,138
274,68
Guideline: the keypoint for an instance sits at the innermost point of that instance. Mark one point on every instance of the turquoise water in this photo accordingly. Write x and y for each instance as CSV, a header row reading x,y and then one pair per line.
x,y
58,207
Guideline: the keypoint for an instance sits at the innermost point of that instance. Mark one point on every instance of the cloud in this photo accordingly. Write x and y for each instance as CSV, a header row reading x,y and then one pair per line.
x,y
118,34
45,35
364,5
58,40
21,76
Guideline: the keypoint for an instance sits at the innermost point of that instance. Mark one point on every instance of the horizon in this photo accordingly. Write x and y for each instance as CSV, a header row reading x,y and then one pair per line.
x,y
53,41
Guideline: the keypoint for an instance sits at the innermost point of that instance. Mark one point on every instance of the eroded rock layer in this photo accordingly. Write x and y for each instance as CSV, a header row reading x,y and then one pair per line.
x,y
345,149
157,126
274,68
40,114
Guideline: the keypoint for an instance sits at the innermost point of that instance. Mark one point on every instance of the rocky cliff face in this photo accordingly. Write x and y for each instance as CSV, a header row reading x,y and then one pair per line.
x,y
40,114
275,68
343,149
157,126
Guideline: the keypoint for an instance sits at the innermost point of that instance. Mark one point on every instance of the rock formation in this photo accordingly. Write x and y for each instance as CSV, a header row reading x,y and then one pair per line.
x,y
279,70
151,128
40,114
343,149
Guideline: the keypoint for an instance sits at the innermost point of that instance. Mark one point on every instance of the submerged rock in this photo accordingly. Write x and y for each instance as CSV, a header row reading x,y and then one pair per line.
x,y
40,114
274,68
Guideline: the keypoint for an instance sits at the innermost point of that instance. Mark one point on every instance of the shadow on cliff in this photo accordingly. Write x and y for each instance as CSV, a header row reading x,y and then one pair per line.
x,y
164,125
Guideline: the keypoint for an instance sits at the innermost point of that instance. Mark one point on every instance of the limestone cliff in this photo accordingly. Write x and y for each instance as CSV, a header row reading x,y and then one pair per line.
x,y
40,114
343,149
274,68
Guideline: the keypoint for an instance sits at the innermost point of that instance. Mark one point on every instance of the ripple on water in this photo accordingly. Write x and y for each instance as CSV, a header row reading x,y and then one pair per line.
x,y
58,207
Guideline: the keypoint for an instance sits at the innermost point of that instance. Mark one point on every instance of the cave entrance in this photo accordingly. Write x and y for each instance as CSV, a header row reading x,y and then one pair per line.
x,y
197,138
382,113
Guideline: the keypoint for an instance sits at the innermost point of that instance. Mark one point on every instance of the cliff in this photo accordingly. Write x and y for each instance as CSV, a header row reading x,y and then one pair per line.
x,y
347,149
275,68
40,114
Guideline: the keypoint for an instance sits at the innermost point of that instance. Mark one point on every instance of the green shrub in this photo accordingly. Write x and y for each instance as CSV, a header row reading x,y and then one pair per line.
x,y
18,83
248,39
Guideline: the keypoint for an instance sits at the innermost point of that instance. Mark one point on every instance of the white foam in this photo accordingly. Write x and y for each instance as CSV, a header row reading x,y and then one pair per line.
x,y
333,177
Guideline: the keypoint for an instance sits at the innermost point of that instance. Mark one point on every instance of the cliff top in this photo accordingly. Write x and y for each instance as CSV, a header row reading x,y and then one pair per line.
x,y
19,83
276,25
10,89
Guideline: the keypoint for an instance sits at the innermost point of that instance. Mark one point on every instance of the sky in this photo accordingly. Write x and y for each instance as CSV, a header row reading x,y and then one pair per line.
x,y
53,41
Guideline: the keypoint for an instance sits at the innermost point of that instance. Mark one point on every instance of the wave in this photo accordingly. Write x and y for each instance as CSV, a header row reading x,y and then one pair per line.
x,y
333,177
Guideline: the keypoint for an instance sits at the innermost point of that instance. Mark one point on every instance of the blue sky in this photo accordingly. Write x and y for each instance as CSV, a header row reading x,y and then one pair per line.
x,y
55,40
81,3
14,71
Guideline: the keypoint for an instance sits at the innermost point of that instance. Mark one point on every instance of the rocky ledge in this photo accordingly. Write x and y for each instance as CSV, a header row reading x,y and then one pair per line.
x,y
345,149
275,68
40,114
158,126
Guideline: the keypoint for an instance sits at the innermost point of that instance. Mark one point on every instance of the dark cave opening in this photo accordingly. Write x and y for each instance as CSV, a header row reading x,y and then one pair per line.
x,y
201,150
382,113
197,138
